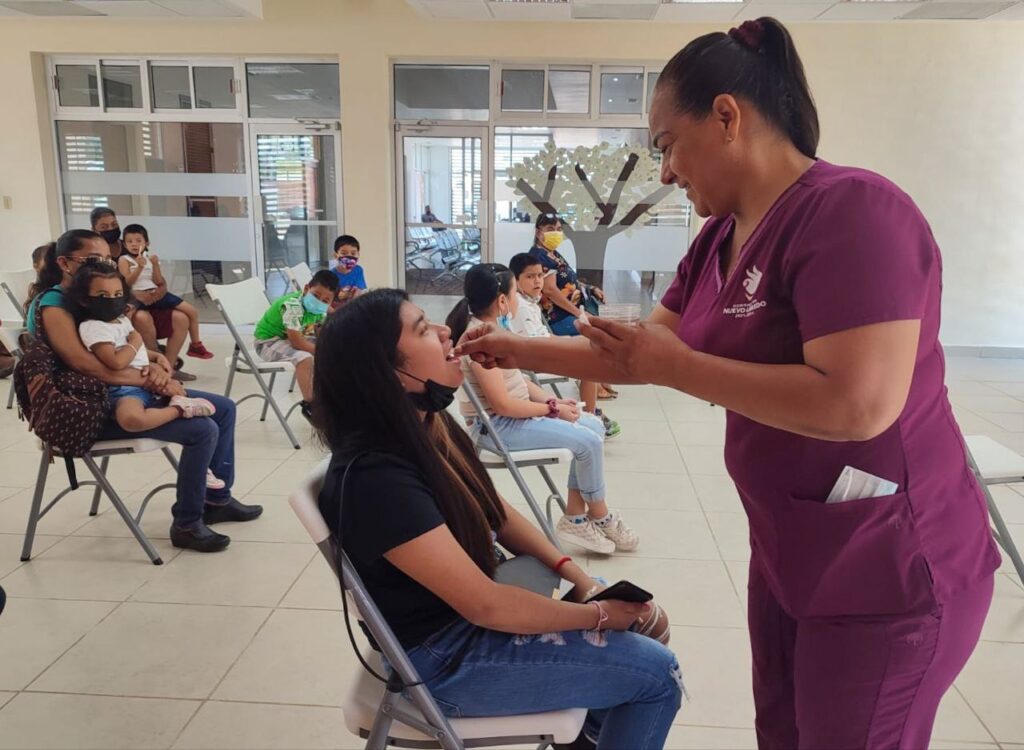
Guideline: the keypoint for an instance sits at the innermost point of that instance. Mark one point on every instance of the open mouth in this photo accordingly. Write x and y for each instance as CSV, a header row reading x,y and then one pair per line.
x,y
449,354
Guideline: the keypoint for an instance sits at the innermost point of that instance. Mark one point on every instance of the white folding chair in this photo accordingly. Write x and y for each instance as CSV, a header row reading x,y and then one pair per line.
x,y
994,463
14,285
544,379
244,303
500,457
299,275
101,450
382,714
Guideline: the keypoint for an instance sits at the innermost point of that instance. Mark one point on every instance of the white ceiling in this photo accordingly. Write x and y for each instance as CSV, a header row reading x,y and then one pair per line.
x,y
133,8
703,11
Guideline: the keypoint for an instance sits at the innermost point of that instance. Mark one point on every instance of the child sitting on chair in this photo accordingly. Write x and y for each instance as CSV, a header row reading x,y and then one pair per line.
x,y
287,331
142,271
351,281
529,321
98,295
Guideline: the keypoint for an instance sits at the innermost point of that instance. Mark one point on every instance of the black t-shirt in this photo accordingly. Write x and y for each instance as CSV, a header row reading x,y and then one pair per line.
x,y
387,503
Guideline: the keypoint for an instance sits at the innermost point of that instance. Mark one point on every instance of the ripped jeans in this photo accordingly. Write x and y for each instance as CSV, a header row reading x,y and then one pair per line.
x,y
631,684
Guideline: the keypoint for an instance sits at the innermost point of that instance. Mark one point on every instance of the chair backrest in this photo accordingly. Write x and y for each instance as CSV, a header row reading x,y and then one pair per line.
x,y
299,275
304,502
497,445
242,303
996,463
14,285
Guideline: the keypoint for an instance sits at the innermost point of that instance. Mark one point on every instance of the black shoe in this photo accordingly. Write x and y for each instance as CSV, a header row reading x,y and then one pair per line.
x,y
199,537
232,510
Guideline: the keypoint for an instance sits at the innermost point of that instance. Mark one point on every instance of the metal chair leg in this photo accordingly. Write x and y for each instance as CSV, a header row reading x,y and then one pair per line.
x,y
231,373
37,502
272,402
295,379
119,506
99,490
270,387
10,397
555,494
1002,534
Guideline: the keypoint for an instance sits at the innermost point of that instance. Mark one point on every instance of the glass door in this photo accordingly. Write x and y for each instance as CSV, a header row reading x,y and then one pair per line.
x,y
442,206
297,174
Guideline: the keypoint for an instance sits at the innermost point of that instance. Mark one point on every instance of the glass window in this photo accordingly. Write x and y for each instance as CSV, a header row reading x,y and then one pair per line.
x,y
77,86
122,85
569,91
442,92
621,93
215,87
522,90
170,87
293,90
652,81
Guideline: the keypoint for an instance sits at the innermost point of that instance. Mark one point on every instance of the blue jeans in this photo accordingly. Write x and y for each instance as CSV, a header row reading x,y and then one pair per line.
x,y
631,684
206,443
584,438
148,398
565,327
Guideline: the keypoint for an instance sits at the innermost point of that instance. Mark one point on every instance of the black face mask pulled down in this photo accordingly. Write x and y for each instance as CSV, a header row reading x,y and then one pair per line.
x,y
111,235
106,309
435,398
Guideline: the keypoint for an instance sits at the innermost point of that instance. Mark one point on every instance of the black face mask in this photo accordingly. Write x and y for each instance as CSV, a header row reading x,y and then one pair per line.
x,y
106,308
111,235
435,398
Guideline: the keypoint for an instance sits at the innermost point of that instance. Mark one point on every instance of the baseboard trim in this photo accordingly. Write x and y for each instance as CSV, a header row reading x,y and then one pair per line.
x,y
986,352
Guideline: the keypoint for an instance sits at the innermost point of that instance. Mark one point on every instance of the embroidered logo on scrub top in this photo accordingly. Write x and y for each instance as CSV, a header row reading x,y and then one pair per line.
x,y
750,286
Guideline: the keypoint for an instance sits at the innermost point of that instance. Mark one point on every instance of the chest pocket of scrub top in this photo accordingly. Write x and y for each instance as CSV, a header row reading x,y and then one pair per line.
x,y
859,557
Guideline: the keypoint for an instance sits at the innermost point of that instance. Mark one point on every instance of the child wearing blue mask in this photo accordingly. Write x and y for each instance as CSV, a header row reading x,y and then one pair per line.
x,y
351,280
527,417
287,331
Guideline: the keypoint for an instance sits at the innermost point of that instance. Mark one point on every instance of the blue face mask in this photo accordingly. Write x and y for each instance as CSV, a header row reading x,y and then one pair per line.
x,y
505,321
313,305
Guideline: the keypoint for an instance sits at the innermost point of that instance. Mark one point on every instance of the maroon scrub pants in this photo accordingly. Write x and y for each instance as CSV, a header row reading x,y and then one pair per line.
x,y
846,683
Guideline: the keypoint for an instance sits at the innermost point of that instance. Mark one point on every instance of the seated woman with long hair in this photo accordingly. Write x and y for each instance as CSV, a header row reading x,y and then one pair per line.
x,y
419,520
526,417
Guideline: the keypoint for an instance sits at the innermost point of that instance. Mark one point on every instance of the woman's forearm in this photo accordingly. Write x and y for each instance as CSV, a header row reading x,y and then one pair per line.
x,y
518,408
572,356
511,609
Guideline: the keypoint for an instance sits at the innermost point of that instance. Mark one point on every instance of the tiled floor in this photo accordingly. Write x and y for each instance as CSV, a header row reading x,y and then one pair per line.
x,y
246,649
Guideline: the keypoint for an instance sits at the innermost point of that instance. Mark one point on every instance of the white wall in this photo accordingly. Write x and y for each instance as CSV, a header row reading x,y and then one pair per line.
x,y
937,107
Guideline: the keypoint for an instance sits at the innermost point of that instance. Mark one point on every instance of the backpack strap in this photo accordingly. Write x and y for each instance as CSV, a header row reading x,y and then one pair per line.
x,y
69,464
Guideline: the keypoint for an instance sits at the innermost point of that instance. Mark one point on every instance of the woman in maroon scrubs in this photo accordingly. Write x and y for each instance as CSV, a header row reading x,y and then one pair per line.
x,y
808,307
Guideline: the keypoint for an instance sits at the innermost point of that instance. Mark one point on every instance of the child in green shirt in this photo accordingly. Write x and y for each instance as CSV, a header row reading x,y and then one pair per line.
x,y
286,331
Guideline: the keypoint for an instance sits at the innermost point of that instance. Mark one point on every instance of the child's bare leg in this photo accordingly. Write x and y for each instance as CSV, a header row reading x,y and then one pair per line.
x,y
304,376
132,416
575,505
179,329
193,320
588,395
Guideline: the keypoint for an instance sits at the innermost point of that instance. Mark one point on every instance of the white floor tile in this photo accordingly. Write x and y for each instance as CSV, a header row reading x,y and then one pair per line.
x,y
956,722
633,489
672,534
989,682
704,460
1005,621
35,632
656,459
251,726
316,588
732,534
685,737
11,545
717,494
716,669
248,574
155,650
57,722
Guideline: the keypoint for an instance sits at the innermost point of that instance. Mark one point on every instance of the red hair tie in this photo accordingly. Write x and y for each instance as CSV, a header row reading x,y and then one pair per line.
x,y
750,34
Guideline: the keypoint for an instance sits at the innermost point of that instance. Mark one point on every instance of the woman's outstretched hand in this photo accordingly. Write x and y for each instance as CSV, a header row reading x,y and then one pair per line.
x,y
489,346
645,352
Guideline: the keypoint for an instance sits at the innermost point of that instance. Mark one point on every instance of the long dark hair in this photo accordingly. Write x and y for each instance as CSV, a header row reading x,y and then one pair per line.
x,y
757,62
67,243
359,405
483,284
77,295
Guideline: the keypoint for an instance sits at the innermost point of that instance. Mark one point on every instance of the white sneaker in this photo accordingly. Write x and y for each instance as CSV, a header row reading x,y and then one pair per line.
x,y
623,537
584,535
214,483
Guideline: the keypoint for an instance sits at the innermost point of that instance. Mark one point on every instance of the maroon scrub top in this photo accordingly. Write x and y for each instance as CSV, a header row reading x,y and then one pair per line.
x,y
841,248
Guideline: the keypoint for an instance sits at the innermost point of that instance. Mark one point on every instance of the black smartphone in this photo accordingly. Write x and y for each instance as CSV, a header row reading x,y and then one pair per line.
x,y
623,591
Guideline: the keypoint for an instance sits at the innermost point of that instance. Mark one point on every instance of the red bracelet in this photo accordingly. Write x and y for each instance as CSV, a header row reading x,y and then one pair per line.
x,y
561,562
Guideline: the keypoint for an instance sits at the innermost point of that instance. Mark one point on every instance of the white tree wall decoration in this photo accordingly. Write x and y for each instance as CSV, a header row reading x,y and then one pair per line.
x,y
599,192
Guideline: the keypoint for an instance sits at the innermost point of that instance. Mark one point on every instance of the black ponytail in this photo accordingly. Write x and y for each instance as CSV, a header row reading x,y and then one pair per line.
x,y
757,62
483,284
50,274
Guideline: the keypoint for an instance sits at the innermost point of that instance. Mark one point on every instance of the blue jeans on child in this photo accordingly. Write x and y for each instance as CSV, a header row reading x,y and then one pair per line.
x,y
206,443
565,327
148,398
584,438
631,684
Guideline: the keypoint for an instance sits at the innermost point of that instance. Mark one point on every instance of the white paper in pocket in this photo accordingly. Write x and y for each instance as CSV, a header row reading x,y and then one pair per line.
x,y
854,484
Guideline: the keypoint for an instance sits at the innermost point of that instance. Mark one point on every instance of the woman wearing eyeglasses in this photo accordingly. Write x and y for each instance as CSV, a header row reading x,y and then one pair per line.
x,y
207,444
809,307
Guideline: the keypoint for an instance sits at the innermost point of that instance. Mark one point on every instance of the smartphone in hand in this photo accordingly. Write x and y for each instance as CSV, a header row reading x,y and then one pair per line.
x,y
623,591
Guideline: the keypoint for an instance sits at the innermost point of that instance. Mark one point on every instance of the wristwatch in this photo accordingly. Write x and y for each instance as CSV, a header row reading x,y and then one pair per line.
x,y
552,408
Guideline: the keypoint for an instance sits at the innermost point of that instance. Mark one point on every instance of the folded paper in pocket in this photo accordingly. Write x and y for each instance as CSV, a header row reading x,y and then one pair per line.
x,y
854,484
